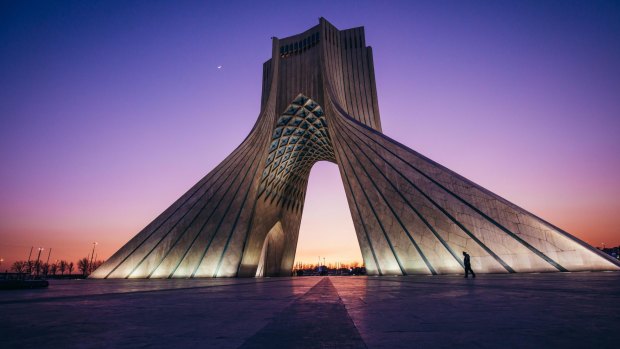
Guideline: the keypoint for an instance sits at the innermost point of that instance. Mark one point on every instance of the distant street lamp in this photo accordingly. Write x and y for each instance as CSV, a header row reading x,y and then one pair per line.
x,y
90,265
37,263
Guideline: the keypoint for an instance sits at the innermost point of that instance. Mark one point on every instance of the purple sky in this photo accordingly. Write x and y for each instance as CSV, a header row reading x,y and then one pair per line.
x,y
111,110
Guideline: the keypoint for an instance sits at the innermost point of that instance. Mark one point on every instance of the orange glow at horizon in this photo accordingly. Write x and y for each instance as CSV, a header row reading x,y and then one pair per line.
x,y
327,229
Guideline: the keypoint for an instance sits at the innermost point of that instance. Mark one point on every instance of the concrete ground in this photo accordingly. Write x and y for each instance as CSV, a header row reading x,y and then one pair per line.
x,y
567,310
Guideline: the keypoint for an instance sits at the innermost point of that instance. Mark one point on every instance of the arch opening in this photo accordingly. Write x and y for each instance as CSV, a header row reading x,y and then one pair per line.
x,y
271,254
327,228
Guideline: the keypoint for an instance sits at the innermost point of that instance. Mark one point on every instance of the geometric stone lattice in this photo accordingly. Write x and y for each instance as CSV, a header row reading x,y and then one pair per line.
x,y
299,140
411,215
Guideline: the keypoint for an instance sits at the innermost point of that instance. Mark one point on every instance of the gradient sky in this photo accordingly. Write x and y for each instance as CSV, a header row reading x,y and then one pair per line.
x,y
111,110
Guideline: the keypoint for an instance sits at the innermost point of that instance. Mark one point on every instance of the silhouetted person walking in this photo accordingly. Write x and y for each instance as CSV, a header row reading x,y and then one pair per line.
x,y
467,263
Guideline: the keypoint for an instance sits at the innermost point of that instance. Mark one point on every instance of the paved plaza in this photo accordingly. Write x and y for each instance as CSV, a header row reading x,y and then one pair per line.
x,y
567,310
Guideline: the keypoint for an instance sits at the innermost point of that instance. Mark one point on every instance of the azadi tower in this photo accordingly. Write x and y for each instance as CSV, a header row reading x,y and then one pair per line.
x,y
411,215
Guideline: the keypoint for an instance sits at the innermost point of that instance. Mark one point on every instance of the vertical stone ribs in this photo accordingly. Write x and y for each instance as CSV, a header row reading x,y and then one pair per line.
x,y
411,215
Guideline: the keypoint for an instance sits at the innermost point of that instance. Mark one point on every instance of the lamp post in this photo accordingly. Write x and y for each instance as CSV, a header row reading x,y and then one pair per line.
x,y
37,263
90,265
49,253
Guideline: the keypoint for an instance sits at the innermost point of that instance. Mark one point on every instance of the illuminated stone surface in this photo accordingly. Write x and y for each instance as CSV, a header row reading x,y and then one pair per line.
x,y
550,310
411,215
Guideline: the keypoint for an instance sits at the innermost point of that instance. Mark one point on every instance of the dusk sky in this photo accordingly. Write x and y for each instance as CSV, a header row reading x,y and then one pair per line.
x,y
111,110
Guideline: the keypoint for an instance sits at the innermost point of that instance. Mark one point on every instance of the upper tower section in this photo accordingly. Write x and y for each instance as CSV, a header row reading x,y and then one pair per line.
x,y
333,67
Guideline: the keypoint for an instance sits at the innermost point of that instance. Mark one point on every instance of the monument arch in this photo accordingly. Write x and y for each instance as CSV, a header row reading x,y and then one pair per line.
x,y
411,215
